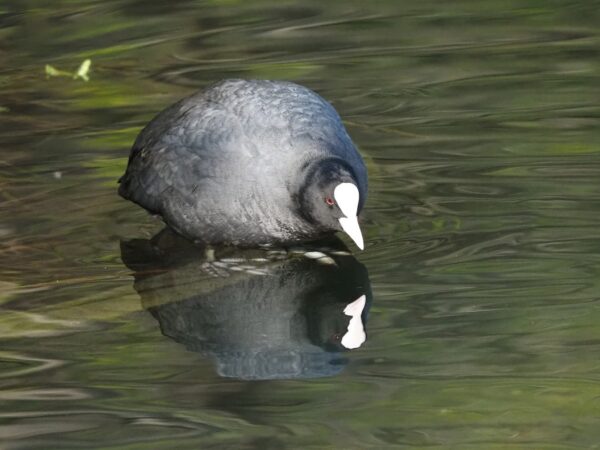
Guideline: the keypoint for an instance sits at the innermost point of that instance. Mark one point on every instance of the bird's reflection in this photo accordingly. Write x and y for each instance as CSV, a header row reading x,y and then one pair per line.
x,y
261,314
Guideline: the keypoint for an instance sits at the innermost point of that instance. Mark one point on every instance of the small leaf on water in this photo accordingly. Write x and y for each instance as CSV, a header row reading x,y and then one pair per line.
x,y
83,70
53,72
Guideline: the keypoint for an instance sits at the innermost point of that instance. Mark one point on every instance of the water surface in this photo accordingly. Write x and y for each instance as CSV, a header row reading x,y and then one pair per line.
x,y
479,123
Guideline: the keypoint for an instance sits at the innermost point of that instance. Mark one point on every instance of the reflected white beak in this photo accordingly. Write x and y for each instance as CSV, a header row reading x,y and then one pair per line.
x,y
346,195
355,336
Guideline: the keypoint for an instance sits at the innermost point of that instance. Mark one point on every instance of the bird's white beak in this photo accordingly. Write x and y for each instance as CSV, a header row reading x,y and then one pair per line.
x,y
346,195
350,226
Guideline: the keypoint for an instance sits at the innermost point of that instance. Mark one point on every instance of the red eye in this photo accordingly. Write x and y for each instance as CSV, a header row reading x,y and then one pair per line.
x,y
329,201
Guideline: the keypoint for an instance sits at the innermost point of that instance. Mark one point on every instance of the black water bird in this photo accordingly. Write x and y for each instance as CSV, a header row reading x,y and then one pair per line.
x,y
248,163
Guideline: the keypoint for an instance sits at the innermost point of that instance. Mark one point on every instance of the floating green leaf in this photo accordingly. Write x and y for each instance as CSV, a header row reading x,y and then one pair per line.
x,y
83,70
53,72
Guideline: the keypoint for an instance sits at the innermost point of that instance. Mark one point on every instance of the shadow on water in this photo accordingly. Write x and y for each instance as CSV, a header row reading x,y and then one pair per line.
x,y
260,314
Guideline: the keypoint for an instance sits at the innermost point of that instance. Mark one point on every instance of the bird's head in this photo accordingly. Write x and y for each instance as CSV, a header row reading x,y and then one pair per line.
x,y
332,199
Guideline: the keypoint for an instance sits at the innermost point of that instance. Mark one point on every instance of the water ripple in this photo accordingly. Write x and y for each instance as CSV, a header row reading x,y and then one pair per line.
x,y
21,364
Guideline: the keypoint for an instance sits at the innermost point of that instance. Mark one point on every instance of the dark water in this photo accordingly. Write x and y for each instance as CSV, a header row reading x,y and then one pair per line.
x,y
480,125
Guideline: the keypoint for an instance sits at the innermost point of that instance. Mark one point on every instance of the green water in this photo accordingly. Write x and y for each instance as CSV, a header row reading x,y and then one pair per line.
x,y
480,126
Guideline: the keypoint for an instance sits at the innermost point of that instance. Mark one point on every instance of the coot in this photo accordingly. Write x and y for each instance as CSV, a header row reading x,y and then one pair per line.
x,y
249,162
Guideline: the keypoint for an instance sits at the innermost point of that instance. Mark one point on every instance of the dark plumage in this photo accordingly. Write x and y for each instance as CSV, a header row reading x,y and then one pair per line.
x,y
248,163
